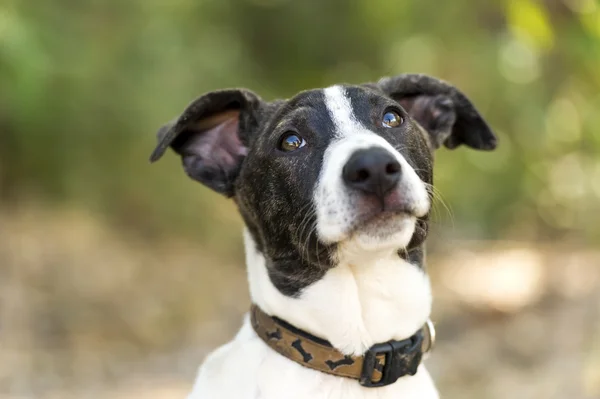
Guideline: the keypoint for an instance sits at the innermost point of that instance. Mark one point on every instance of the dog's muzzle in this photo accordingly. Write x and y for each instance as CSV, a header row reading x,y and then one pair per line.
x,y
381,365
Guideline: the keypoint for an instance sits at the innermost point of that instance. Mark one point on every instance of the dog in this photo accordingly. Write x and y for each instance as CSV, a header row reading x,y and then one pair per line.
x,y
335,188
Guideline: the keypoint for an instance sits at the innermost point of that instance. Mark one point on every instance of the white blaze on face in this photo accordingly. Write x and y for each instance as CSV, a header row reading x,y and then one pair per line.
x,y
335,203
340,110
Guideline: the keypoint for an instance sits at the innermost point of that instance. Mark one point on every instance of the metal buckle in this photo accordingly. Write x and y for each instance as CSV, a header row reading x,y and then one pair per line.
x,y
401,358
429,338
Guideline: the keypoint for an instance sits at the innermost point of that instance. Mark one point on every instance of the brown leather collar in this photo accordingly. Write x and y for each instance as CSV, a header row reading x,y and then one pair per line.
x,y
381,365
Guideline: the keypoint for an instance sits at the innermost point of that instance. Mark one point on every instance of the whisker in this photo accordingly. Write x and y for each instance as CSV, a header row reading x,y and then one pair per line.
x,y
438,199
305,223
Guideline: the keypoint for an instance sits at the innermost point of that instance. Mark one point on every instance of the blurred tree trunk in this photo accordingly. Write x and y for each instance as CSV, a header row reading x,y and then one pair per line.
x,y
8,161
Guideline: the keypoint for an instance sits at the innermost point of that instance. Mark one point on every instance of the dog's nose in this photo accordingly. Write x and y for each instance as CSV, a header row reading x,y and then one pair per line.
x,y
374,171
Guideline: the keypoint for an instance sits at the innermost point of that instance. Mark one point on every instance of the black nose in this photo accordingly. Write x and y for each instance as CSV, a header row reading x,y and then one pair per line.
x,y
373,171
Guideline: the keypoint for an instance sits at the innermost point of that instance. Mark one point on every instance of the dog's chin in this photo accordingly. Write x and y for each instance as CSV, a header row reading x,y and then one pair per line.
x,y
386,231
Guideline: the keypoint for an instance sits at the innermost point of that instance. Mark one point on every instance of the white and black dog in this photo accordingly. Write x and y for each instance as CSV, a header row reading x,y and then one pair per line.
x,y
335,187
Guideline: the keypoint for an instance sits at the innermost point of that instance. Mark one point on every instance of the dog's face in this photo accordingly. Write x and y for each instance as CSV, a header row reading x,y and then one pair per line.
x,y
330,174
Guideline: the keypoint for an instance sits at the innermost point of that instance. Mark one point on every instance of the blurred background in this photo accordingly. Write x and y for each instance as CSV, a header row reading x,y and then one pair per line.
x,y
117,276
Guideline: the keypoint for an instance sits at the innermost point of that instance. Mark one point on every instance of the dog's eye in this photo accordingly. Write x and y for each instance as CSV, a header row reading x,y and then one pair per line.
x,y
391,119
291,142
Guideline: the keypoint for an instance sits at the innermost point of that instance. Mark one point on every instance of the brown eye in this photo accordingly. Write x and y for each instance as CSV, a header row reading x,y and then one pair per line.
x,y
391,119
291,142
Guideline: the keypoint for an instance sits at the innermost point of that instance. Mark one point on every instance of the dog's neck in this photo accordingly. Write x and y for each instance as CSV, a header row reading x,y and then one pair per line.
x,y
358,303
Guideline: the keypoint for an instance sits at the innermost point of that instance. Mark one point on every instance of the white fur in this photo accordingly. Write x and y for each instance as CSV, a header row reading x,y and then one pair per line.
x,y
353,306
335,204
370,296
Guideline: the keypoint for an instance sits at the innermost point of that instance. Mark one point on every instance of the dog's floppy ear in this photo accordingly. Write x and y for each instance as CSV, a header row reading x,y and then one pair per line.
x,y
441,109
212,136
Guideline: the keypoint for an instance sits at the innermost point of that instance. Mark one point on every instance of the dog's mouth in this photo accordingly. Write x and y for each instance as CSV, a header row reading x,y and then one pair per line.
x,y
385,230
373,220
382,220
375,211
382,224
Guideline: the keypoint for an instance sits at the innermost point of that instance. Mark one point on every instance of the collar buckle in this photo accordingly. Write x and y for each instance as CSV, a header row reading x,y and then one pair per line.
x,y
429,338
401,358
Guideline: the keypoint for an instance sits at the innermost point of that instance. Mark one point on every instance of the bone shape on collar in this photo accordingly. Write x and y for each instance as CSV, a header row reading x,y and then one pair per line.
x,y
381,365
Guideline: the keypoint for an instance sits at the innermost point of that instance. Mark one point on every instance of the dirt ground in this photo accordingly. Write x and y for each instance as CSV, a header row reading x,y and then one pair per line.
x,y
90,312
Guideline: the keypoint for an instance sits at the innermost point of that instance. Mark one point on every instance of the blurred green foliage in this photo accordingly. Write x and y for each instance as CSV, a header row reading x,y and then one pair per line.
x,y
84,85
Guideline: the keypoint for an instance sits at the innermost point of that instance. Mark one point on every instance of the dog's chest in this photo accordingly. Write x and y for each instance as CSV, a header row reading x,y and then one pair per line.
x,y
247,369
353,307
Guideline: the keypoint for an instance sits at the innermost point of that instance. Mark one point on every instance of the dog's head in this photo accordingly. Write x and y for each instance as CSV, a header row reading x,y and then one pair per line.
x,y
330,173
